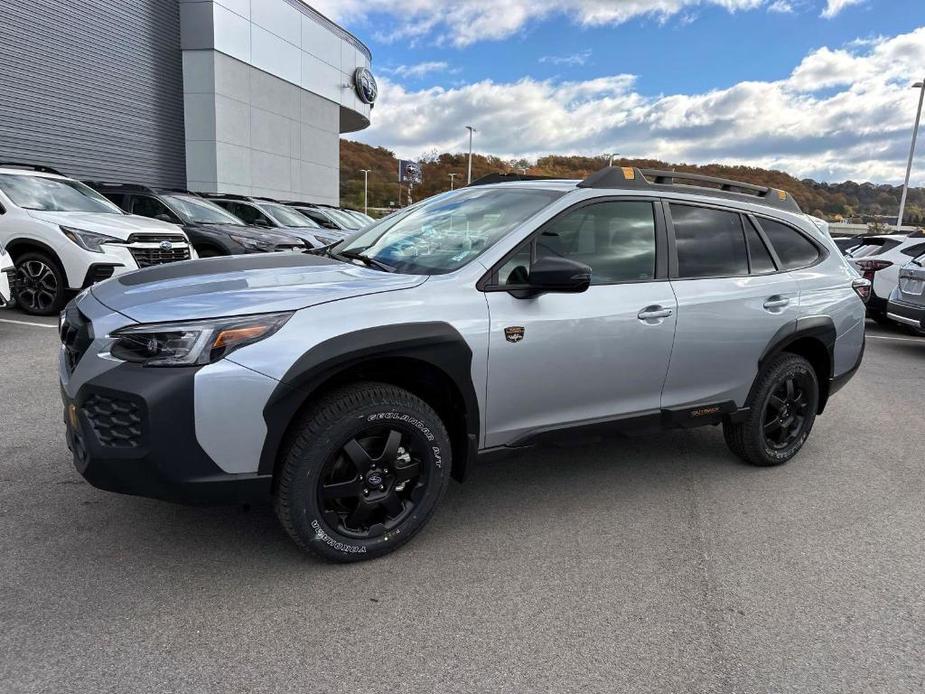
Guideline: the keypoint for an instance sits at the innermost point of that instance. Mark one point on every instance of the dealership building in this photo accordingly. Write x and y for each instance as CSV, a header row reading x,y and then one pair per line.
x,y
233,96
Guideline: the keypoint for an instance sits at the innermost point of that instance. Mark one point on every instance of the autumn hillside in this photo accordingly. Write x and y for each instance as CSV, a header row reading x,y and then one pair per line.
x,y
832,201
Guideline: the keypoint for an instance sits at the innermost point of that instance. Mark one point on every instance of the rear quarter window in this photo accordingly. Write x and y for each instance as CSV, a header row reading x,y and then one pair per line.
x,y
793,249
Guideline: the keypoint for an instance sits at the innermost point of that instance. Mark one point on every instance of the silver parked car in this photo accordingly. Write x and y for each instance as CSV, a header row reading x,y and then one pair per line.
x,y
907,302
349,384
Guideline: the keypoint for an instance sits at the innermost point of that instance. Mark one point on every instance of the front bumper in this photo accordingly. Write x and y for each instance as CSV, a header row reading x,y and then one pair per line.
x,y
132,429
907,314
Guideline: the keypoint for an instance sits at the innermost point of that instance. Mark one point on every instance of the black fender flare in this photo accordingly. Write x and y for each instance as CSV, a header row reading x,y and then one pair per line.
x,y
24,245
437,344
819,328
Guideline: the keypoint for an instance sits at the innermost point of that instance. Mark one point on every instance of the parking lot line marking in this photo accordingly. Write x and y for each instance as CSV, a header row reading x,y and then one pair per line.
x,y
23,322
898,339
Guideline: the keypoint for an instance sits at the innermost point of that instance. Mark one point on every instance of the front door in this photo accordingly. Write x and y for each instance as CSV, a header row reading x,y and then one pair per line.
x,y
557,360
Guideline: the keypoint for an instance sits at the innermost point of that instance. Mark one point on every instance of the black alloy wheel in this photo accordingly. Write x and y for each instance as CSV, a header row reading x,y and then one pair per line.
x,y
372,483
39,285
364,470
779,413
786,410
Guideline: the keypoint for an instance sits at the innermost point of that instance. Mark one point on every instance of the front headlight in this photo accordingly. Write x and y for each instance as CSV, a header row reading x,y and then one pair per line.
x,y
253,244
192,343
88,240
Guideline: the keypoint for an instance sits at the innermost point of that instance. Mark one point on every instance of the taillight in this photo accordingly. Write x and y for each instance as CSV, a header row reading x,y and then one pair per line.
x,y
869,267
862,287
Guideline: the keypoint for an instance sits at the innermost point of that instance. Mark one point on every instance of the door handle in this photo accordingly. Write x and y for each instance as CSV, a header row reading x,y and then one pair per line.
x,y
776,302
654,313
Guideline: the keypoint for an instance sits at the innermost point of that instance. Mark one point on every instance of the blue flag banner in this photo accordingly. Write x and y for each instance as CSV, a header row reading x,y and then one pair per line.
x,y
409,172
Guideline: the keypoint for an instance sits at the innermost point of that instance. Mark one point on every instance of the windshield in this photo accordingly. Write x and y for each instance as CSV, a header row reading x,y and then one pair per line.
x,y
198,211
54,195
287,216
444,233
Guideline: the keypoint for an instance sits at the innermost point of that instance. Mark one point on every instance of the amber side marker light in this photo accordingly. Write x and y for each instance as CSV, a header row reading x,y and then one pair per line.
x,y
233,336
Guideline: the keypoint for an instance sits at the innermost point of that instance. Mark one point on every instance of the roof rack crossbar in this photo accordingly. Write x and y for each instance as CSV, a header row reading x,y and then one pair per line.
x,y
41,168
636,179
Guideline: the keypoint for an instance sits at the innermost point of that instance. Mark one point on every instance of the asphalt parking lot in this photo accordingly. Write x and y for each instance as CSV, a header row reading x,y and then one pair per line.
x,y
632,565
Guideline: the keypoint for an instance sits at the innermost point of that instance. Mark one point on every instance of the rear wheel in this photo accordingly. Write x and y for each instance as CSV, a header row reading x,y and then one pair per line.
x,y
363,473
781,413
41,289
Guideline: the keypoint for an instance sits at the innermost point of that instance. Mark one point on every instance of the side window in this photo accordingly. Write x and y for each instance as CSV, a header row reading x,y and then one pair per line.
x,y
914,251
248,213
793,249
710,243
117,199
760,257
150,207
617,239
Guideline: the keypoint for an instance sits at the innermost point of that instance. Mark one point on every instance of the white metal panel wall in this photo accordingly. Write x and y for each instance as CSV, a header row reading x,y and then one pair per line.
x,y
93,88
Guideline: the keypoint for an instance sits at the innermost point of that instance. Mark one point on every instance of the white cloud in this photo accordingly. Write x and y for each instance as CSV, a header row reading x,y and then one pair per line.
x,y
463,22
834,7
573,60
418,70
781,6
842,113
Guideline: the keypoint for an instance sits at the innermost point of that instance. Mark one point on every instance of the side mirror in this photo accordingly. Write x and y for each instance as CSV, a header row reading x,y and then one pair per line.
x,y
556,274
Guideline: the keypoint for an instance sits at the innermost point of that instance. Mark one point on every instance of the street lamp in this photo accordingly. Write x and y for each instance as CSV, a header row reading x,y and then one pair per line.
x,y
471,131
915,133
453,180
612,157
365,173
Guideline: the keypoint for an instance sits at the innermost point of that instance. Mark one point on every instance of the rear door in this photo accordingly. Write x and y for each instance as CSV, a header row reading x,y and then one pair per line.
x,y
557,360
732,300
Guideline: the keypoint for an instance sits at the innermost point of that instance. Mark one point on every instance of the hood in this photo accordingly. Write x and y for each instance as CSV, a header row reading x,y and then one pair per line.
x,y
241,285
121,226
272,235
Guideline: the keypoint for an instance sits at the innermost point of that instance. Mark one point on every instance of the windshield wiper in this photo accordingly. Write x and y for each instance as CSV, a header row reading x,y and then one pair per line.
x,y
365,259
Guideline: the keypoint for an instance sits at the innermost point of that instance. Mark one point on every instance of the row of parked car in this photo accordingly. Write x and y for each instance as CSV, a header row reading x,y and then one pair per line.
x,y
895,266
59,235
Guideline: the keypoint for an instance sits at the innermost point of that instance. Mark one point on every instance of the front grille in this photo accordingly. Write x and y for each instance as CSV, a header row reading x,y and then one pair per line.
x,y
117,423
76,336
156,238
146,257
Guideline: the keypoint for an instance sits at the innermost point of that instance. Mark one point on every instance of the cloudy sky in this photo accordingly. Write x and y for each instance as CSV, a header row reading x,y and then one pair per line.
x,y
819,88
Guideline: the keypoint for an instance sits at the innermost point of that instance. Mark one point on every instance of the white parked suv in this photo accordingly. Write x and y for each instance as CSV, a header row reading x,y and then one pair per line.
x,y
6,269
879,259
64,236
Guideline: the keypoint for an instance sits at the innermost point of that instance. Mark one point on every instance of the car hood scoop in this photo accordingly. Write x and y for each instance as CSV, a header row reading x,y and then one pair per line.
x,y
241,285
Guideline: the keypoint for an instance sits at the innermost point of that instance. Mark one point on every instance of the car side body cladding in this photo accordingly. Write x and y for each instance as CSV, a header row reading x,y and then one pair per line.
x,y
431,358
813,338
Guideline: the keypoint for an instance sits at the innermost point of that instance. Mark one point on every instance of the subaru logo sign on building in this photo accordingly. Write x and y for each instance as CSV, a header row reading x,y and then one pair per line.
x,y
366,86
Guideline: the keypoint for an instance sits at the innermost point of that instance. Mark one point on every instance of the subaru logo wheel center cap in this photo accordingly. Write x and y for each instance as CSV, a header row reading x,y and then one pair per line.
x,y
374,478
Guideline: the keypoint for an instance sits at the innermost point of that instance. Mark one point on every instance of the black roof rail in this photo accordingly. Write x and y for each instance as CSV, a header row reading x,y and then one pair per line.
x,y
631,177
499,177
111,186
226,196
41,168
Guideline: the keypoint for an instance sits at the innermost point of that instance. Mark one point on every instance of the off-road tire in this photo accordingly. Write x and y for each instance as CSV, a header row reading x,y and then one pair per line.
x,y
747,438
319,440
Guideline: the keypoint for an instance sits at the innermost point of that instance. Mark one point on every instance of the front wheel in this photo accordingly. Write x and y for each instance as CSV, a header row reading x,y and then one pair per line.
x,y
363,473
781,414
41,289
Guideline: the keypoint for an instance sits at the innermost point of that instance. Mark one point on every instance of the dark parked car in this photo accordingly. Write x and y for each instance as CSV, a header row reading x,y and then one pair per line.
x,y
212,230
272,214
331,218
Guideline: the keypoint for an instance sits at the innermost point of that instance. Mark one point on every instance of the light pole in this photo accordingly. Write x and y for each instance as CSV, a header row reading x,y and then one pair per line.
x,y
471,131
915,133
365,173
612,157
453,180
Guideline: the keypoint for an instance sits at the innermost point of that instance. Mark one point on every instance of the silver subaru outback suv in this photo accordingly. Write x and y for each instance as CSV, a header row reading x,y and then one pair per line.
x,y
349,384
